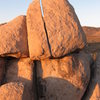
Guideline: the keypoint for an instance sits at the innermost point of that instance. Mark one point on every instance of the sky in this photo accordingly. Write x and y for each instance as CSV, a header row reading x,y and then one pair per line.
x,y
88,11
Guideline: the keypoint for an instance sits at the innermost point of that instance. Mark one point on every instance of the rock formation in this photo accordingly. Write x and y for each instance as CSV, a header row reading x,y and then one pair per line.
x,y
64,78
57,33
42,55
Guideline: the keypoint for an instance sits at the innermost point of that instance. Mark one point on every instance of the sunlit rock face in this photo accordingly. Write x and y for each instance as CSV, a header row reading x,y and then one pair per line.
x,y
12,91
64,78
37,40
13,38
56,33
93,90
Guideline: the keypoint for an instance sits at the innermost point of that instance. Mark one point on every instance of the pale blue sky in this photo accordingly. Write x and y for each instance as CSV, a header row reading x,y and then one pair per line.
x,y
88,11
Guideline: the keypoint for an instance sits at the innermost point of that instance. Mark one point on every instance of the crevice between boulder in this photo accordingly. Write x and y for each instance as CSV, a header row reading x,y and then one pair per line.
x,y
45,28
36,96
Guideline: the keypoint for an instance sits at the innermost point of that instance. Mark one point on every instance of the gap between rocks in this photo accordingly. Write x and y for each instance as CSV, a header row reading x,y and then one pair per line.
x,y
35,81
39,85
45,28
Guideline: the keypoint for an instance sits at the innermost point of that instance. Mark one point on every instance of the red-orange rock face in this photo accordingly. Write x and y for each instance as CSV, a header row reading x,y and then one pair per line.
x,y
55,34
37,40
13,38
12,91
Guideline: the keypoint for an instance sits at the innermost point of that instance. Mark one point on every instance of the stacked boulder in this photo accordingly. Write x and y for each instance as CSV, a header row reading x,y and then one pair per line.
x,y
41,57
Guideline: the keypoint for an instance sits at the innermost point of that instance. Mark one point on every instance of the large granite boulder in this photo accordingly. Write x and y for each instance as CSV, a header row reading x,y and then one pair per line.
x,y
2,69
65,78
12,91
21,70
37,40
93,90
13,38
56,33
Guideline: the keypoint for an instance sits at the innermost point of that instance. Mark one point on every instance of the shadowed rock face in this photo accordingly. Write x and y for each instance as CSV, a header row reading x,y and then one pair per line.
x,y
13,38
68,77
12,91
2,69
21,70
93,90
57,33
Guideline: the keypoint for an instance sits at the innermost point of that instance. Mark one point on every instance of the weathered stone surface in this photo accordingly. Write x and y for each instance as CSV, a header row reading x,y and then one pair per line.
x,y
13,38
37,40
68,77
93,91
2,69
64,31
21,71
57,33
12,91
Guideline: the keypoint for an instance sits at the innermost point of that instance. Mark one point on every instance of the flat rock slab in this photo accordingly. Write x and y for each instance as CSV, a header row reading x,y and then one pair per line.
x,y
13,38
21,70
55,34
68,77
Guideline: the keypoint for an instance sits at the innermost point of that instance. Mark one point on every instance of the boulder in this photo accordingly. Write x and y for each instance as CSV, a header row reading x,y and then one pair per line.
x,y
13,38
37,40
63,27
56,33
66,78
12,91
21,70
93,90
2,69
